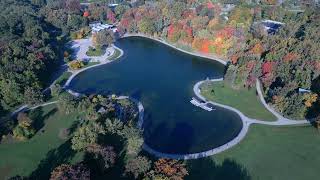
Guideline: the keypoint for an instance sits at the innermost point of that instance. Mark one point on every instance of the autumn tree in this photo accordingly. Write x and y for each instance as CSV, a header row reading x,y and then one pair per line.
x,y
172,169
24,129
146,26
72,172
137,166
104,38
73,5
106,156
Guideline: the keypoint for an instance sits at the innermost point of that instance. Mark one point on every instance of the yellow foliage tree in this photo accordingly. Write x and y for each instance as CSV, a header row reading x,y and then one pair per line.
x,y
309,99
76,64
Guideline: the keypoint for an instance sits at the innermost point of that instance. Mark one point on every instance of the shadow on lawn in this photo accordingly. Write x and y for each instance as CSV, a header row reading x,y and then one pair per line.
x,y
207,169
39,118
55,157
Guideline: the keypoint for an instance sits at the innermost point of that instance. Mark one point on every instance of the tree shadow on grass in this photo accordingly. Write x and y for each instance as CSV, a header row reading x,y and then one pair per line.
x,y
39,118
55,157
206,168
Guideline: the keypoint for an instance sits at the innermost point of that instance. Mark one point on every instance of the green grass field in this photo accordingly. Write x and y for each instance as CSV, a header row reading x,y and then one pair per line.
x,y
244,100
63,78
99,51
267,153
42,152
115,55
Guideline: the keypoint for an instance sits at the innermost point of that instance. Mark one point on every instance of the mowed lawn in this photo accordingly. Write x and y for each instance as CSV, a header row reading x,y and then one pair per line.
x,y
42,152
267,153
244,100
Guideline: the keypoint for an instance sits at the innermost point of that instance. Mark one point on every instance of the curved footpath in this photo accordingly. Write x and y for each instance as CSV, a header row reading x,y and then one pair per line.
x,y
74,74
246,122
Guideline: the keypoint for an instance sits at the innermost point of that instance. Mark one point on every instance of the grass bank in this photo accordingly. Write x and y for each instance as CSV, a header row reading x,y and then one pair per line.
x,y
246,101
115,55
48,148
63,78
276,153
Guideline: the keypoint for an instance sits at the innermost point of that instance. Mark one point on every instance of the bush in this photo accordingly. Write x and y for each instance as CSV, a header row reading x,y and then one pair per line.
x,y
76,64
24,129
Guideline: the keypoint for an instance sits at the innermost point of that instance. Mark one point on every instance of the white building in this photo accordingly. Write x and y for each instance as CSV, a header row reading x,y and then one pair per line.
x,y
96,27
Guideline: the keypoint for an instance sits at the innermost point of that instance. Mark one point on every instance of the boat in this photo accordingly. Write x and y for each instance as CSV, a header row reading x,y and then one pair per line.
x,y
202,105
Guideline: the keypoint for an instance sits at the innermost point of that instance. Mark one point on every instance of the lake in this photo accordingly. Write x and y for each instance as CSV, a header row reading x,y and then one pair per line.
x,y
162,78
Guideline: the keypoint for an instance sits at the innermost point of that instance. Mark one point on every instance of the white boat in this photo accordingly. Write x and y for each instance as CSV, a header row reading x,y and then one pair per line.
x,y
201,105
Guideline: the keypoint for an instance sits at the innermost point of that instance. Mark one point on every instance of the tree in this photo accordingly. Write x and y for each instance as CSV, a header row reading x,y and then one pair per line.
x,y
10,93
137,166
55,90
76,64
120,9
24,129
104,155
73,5
114,126
134,140
111,16
173,169
104,38
72,172
67,103
146,26
56,4
86,135
38,2
32,96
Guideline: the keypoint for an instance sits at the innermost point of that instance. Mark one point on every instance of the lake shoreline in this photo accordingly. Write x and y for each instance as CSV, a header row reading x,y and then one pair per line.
x,y
162,41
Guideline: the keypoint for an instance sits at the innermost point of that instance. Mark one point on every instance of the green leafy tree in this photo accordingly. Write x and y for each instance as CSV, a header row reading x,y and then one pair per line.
x,y
56,90
104,38
86,135
32,96
146,26
67,103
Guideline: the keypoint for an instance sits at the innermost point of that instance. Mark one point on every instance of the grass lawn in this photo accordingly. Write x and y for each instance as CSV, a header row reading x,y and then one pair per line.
x,y
115,55
244,100
90,64
39,155
99,51
63,78
267,153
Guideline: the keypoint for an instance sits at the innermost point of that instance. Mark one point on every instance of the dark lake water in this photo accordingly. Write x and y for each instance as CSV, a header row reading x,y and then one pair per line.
x,y
162,79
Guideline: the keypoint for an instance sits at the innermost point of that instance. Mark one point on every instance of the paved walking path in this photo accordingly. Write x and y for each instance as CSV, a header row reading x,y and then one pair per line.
x,y
25,107
102,62
246,122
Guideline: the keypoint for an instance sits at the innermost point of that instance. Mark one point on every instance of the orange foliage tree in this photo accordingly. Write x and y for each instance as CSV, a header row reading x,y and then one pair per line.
x,y
172,169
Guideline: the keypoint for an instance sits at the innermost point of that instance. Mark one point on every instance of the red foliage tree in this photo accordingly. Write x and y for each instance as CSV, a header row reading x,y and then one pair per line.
x,y
290,57
86,14
267,67
234,59
111,16
205,46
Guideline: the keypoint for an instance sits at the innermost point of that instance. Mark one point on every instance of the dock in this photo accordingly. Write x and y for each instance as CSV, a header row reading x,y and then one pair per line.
x,y
202,105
